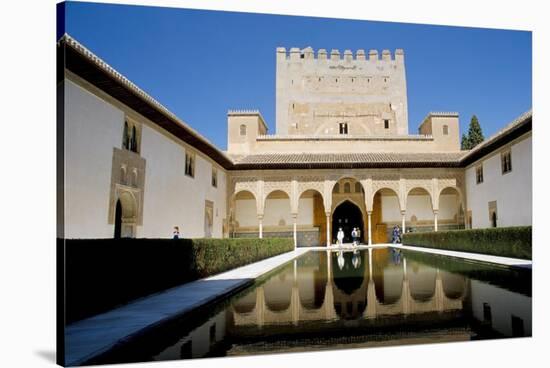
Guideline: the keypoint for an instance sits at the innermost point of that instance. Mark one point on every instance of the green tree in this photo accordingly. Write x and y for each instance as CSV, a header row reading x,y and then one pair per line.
x,y
474,136
464,144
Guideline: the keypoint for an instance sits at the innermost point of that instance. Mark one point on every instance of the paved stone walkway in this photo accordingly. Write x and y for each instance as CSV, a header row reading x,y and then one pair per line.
x,y
516,262
95,335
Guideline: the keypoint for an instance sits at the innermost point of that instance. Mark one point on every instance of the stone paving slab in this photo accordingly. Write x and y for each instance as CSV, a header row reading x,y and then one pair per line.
x,y
507,261
95,335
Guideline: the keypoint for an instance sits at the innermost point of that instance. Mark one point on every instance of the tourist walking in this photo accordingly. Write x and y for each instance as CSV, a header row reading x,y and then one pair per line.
x,y
396,235
176,233
340,236
354,236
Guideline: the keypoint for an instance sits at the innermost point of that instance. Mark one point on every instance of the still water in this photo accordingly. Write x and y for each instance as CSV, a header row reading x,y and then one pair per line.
x,y
367,298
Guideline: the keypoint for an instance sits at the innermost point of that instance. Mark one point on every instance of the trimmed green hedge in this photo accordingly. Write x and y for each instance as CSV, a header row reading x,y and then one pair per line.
x,y
503,241
101,274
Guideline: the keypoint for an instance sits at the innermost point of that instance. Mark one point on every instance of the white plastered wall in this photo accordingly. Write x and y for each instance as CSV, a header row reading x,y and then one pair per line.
x,y
92,128
511,191
172,198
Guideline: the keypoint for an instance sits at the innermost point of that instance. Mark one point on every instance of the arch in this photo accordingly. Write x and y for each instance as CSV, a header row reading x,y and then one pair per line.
x,y
454,285
310,191
458,211
348,276
246,303
422,208
421,281
317,214
342,177
278,290
241,210
275,212
126,136
417,190
125,215
118,219
347,215
312,288
386,212
389,280
133,140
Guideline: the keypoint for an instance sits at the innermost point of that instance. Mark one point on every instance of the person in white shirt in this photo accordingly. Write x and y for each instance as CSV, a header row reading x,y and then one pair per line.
x,y
340,236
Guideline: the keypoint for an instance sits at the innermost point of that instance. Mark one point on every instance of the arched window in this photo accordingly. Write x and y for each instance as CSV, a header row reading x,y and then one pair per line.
x,y
243,130
336,188
358,187
123,175
347,188
445,130
133,141
125,137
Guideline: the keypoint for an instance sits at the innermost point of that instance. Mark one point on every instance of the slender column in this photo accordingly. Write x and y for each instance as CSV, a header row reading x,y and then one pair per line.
x,y
403,222
294,221
328,229
435,220
260,226
370,263
370,227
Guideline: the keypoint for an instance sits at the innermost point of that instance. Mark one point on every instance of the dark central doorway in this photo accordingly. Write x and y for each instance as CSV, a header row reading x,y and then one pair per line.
x,y
347,216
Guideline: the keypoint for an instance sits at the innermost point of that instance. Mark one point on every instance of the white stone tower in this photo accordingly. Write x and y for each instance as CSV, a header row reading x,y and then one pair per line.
x,y
365,95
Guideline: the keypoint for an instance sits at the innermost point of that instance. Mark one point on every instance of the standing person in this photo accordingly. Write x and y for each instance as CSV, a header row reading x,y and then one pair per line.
x,y
340,236
354,236
176,233
395,234
358,236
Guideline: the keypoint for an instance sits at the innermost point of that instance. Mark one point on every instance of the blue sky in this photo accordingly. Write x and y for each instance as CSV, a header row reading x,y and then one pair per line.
x,y
199,64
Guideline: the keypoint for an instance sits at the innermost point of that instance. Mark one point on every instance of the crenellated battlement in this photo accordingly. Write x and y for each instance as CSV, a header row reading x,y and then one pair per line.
x,y
297,54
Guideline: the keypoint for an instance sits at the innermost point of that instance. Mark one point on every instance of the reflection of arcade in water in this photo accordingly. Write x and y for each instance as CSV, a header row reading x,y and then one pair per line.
x,y
365,298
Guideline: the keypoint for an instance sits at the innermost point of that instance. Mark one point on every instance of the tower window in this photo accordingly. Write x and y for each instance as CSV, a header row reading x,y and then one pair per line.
x,y
386,124
243,130
343,128
445,130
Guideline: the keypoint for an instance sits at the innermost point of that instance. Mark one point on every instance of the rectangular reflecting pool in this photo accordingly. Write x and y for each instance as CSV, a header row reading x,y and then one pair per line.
x,y
346,299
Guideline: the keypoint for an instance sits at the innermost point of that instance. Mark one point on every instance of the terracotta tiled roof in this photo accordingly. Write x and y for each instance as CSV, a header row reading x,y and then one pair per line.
x,y
375,159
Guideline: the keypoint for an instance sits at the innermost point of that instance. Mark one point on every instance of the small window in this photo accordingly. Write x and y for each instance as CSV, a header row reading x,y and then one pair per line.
x,y
243,130
358,188
214,177
506,161
133,140
479,174
386,124
336,188
343,128
445,130
190,164
126,136
347,188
